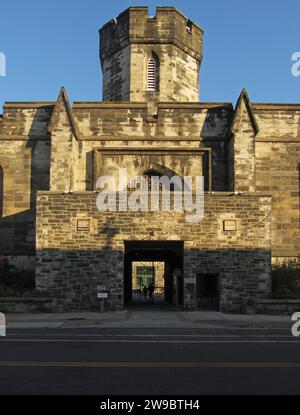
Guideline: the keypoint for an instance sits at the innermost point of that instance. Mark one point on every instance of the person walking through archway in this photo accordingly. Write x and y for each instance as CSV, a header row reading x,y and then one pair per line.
x,y
151,291
145,292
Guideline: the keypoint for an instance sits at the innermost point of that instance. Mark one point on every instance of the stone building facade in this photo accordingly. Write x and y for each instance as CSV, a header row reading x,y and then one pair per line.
x,y
150,121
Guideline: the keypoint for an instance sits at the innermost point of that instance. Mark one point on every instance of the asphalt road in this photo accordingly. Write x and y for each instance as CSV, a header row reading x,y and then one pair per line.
x,y
150,361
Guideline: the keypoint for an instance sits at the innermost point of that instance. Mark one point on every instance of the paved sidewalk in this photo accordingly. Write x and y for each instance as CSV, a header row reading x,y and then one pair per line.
x,y
144,319
70,320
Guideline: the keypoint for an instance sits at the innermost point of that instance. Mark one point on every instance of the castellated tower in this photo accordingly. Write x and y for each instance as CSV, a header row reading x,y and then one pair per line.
x,y
147,58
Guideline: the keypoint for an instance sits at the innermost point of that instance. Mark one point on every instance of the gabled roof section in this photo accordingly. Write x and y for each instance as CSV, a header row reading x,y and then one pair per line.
x,y
63,101
244,98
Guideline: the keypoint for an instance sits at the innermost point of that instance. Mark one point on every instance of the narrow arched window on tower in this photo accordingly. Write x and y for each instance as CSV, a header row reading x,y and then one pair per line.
x,y
153,73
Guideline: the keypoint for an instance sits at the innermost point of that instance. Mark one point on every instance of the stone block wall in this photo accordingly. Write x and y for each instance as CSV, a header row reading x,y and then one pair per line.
x,y
127,125
277,163
178,74
25,166
279,307
26,147
242,160
33,158
71,264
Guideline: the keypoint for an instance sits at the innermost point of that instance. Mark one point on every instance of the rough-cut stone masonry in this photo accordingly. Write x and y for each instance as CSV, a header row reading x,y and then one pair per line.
x,y
25,166
126,44
71,264
56,147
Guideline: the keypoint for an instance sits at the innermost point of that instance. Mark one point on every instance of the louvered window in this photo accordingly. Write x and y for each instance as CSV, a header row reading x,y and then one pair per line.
x,y
153,73
151,177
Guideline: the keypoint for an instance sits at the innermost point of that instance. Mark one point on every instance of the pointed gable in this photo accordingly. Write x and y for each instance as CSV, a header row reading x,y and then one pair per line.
x,y
63,107
244,102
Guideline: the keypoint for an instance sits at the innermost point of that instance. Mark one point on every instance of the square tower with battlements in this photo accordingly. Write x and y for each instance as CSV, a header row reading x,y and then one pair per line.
x,y
153,58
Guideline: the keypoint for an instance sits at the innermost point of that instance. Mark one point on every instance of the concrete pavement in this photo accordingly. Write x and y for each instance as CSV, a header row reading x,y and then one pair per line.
x,y
145,318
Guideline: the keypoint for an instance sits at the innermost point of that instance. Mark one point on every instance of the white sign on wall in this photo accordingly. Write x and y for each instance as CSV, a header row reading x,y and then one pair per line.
x,y
102,296
2,324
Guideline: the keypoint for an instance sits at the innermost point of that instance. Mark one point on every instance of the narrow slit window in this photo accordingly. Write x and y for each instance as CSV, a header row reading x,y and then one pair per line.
x,y
153,73
189,26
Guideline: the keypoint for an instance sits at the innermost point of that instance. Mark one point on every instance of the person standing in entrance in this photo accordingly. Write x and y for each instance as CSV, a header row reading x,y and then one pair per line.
x,y
151,291
145,292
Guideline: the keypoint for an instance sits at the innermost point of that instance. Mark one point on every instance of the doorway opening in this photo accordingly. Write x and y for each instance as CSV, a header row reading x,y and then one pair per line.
x,y
147,275
208,292
153,273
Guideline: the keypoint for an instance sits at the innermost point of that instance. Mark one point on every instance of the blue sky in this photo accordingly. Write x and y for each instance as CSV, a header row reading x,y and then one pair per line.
x,y
55,42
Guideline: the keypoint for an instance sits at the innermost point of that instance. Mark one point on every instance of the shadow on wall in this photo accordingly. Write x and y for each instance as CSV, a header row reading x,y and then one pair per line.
x,y
215,134
89,169
71,276
17,231
40,157
109,232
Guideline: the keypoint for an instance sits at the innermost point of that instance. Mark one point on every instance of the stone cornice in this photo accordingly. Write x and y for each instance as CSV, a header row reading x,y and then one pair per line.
x,y
143,105
275,106
153,150
272,139
207,194
118,137
28,104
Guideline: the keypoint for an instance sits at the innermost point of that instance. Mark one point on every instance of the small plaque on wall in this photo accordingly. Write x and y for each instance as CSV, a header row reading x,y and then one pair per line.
x,y
229,225
83,225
